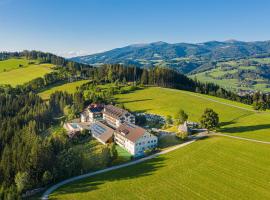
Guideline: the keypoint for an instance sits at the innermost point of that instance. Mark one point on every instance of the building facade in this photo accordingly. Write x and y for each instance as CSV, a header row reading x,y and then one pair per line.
x,y
136,140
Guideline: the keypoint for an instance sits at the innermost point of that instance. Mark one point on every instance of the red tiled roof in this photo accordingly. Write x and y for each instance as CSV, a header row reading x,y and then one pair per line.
x,y
131,131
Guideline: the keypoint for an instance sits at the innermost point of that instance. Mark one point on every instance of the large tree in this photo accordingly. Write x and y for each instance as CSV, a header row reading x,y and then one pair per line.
x,y
181,117
209,119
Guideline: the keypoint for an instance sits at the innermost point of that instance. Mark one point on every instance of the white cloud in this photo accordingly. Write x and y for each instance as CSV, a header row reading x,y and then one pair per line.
x,y
70,54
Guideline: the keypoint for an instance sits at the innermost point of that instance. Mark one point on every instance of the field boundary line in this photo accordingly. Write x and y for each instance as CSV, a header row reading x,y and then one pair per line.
x,y
216,101
240,138
51,189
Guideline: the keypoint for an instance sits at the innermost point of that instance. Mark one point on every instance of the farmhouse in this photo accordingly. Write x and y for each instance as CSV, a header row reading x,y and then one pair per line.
x,y
115,116
134,139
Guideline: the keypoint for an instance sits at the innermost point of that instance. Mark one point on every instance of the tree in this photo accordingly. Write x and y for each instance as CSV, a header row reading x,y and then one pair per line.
x,y
181,117
47,177
69,112
22,181
169,120
113,151
209,119
183,135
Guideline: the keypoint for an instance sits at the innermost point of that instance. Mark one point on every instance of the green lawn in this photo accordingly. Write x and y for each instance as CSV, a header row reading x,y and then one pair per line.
x,y
68,87
22,75
237,121
123,155
214,168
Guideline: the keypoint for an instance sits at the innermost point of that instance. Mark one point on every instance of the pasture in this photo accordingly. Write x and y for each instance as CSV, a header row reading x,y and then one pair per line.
x,y
213,168
67,87
236,118
18,76
15,63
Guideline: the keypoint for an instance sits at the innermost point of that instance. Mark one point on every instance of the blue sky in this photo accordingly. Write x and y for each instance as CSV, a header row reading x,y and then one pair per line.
x,y
71,27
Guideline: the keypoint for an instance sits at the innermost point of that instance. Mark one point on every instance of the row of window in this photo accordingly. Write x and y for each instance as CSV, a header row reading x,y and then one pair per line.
x,y
142,143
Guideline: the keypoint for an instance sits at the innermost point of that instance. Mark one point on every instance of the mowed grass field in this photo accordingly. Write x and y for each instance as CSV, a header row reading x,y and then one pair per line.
x,y
236,118
213,168
11,73
67,87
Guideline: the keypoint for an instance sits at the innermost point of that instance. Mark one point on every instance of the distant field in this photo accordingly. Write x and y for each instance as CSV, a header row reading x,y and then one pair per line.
x,y
214,168
18,75
219,75
68,87
241,121
14,63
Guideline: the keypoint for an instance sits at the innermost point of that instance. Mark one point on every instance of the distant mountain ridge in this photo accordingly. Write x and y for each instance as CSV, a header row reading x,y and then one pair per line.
x,y
184,57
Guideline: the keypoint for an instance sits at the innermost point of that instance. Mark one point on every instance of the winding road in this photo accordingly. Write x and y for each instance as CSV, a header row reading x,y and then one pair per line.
x,y
46,194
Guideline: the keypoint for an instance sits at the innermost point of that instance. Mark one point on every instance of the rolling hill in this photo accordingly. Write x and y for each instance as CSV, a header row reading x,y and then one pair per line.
x,y
213,168
248,61
184,57
17,71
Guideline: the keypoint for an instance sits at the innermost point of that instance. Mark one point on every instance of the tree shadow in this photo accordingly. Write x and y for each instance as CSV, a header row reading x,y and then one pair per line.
x,y
241,129
139,100
233,121
130,172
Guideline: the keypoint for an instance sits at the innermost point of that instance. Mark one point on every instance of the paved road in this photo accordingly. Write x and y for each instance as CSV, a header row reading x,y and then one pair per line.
x,y
240,138
46,194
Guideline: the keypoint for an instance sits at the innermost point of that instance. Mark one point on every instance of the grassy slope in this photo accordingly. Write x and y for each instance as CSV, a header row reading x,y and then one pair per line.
x,y
14,63
68,87
220,168
17,76
237,121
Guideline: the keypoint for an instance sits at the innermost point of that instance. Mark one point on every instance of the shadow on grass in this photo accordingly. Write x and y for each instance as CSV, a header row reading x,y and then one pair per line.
x,y
94,183
241,129
139,100
233,121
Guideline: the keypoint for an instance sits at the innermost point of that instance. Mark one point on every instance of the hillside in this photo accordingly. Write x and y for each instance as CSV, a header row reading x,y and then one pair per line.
x,y
241,74
16,71
66,87
236,118
220,168
184,57
234,168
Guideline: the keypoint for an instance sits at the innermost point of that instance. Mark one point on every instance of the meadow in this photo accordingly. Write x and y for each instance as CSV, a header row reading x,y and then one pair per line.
x,y
220,168
11,73
15,63
67,87
236,118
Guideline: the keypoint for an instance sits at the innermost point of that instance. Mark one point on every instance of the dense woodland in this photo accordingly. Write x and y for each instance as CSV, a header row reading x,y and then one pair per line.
x,y
31,158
